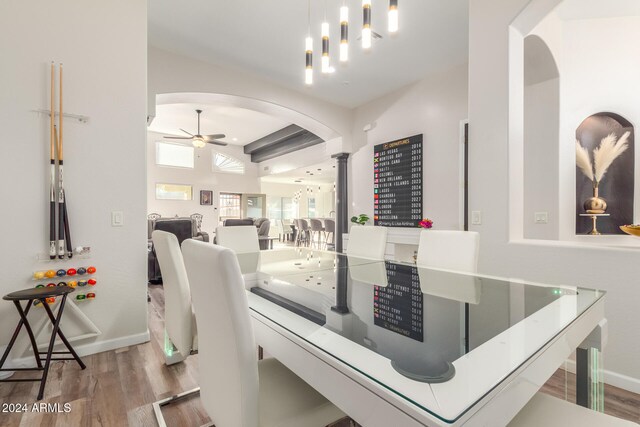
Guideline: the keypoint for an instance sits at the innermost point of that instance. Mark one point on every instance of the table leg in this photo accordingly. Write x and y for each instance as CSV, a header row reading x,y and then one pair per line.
x,y
589,376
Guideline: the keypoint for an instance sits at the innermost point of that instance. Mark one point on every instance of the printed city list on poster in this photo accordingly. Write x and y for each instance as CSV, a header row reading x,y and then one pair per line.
x,y
398,306
397,183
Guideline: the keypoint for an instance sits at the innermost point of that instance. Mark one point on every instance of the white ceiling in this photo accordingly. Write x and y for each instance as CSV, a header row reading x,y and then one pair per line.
x,y
590,9
241,126
267,39
321,173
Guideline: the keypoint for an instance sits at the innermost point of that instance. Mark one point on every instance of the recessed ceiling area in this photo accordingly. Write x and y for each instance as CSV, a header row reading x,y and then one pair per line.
x,y
321,173
266,38
241,126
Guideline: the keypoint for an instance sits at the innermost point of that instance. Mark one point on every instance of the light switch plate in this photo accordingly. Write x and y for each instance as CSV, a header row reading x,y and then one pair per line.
x,y
476,217
117,218
541,217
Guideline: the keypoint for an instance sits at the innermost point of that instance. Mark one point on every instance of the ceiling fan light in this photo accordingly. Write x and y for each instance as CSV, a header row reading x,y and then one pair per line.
x,y
198,142
393,16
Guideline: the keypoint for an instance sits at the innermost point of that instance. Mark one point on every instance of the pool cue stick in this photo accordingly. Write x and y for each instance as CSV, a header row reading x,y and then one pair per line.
x,y
61,205
52,196
66,234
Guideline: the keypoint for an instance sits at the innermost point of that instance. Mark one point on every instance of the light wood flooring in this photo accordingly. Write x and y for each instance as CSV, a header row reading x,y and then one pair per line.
x,y
118,387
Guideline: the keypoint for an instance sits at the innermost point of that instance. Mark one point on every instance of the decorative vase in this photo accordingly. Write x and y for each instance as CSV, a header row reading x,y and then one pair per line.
x,y
595,204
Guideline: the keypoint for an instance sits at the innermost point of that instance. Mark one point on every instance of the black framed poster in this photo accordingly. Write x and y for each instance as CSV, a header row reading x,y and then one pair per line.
x,y
397,183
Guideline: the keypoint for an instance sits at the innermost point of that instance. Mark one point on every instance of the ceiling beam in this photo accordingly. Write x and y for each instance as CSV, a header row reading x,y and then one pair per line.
x,y
287,140
274,138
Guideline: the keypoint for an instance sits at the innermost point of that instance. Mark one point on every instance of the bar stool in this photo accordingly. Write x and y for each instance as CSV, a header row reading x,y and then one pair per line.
x,y
31,295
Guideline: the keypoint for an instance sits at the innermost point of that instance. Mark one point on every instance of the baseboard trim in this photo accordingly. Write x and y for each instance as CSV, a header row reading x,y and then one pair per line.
x,y
612,378
85,349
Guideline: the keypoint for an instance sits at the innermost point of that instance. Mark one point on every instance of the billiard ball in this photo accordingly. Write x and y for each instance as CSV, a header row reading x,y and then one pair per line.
x,y
61,272
91,270
92,282
38,275
50,274
82,270
71,272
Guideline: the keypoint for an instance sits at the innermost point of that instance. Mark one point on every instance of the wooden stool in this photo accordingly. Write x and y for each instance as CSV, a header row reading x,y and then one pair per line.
x,y
31,295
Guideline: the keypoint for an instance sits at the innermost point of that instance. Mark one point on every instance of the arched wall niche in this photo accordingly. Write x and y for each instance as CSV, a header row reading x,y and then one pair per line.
x,y
617,184
569,32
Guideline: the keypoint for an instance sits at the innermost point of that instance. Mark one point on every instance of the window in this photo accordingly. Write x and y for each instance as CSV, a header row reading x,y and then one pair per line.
x,y
175,155
174,192
312,207
227,164
280,208
229,206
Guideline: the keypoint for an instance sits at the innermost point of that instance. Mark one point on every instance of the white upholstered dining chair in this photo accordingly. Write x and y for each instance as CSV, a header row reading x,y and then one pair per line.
x,y
241,239
366,241
179,319
548,411
236,389
449,250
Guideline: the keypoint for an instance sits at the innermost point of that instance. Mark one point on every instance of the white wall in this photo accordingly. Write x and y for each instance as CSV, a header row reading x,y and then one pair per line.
x,y
434,107
103,48
541,129
201,177
612,269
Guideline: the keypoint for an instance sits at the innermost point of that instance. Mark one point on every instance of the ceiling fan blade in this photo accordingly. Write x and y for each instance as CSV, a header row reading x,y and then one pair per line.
x,y
178,137
188,133
215,136
215,142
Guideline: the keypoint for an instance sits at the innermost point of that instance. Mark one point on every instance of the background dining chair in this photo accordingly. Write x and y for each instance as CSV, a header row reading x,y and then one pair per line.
x,y
236,389
316,230
329,229
549,411
303,231
449,250
241,239
366,241
179,320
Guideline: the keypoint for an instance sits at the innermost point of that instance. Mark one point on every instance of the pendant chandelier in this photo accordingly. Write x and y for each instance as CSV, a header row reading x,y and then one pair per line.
x,y
367,36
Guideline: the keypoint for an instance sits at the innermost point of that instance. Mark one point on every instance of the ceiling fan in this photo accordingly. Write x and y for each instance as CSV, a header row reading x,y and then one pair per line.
x,y
200,141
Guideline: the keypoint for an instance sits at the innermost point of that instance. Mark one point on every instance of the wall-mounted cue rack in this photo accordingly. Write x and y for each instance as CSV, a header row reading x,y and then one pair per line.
x,y
397,182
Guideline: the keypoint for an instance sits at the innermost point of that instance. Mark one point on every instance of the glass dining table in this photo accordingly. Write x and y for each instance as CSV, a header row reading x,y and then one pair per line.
x,y
437,346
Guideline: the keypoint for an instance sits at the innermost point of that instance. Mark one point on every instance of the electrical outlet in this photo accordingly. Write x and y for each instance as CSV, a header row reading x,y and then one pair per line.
x,y
476,217
117,219
541,217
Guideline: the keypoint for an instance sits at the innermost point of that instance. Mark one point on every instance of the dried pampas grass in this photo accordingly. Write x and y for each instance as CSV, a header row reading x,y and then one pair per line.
x,y
610,149
583,161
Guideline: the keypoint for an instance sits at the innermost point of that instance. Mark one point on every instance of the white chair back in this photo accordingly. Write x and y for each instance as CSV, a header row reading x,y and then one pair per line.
x,y
227,359
449,250
366,241
178,316
241,239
